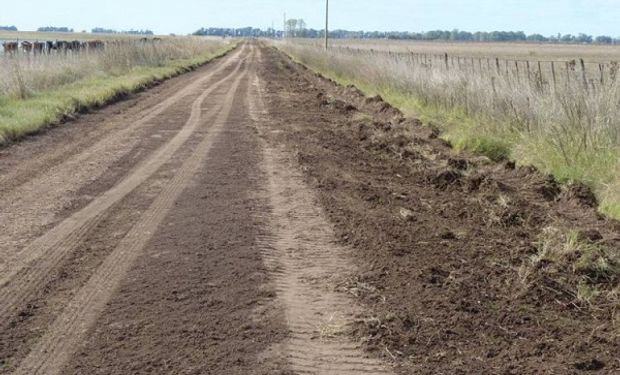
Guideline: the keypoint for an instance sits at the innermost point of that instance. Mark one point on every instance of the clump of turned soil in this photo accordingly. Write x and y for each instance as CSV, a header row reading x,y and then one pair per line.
x,y
466,266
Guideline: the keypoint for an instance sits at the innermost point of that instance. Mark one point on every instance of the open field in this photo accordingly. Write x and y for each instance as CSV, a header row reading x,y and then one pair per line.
x,y
39,90
252,217
561,119
518,51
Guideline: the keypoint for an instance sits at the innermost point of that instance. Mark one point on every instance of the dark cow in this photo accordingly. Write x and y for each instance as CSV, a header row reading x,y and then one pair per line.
x,y
62,45
75,45
27,47
10,47
50,46
38,47
94,45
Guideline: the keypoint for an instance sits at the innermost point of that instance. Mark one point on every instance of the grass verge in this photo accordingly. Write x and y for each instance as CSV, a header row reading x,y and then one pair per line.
x,y
21,117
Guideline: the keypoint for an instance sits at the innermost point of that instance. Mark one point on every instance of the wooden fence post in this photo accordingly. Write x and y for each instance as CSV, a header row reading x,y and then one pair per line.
x,y
583,74
555,82
529,76
601,68
497,65
446,61
540,76
517,69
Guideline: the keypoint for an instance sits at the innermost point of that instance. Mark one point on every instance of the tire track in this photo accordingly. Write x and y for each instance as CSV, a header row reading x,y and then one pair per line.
x,y
303,256
32,168
26,275
36,203
67,332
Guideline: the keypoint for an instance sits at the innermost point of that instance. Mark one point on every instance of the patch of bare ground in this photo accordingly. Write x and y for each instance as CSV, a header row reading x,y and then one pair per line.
x,y
465,266
306,264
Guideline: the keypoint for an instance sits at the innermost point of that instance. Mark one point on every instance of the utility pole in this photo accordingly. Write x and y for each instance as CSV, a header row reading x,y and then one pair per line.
x,y
326,24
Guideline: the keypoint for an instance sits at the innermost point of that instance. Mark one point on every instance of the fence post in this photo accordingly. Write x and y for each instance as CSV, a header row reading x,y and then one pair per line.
x,y
555,83
540,75
567,74
445,56
529,75
517,68
601,68
499,72
583,73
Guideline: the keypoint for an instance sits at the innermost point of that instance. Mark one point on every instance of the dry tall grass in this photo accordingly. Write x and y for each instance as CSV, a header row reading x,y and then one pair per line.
x,y
24,74
36,91
563,129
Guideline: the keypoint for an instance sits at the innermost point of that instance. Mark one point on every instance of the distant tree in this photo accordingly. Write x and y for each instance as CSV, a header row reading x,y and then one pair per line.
x,y
604,39
537,38
583,38
8,28
53,29
568,38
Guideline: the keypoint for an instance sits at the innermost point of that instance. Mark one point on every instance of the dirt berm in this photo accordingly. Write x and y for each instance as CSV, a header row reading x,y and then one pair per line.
x,y
466,266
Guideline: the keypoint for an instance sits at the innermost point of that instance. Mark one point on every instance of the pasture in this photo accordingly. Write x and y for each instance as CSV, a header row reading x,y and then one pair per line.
x,y
552,106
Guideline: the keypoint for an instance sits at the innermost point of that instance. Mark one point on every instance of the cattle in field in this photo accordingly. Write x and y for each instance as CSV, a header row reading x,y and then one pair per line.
x,y
50,46
62,45
75,45
10,47
94,45
38,47
27,47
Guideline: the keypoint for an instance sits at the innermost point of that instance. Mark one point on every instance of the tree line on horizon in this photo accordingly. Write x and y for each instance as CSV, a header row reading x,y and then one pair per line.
x,y
296,28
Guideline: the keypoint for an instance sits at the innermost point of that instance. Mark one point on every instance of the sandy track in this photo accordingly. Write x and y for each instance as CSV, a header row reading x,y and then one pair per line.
x,y
302,254
36,191
51,353
184,242
38,259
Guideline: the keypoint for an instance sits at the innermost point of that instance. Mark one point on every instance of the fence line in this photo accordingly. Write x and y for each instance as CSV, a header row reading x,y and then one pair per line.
x,y
540,72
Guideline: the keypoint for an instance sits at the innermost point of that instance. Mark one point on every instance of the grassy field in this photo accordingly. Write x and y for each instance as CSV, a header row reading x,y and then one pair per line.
x,y
590,53
569,128
37,91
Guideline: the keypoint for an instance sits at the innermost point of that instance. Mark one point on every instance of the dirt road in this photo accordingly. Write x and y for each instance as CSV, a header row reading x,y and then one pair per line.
x,y
235,220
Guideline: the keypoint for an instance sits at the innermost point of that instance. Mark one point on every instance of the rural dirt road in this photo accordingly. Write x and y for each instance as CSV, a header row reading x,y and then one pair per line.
x,y
251,217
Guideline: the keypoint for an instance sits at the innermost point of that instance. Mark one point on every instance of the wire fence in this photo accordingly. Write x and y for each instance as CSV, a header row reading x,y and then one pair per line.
x,y
543,73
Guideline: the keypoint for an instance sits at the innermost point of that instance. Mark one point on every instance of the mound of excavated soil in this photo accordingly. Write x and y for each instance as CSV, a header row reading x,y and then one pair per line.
x,y
445,242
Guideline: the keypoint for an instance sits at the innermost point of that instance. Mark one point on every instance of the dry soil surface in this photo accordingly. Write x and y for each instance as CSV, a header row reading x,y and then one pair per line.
x,y
251,217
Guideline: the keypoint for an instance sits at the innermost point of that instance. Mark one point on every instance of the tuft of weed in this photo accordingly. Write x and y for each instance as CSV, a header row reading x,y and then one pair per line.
x,y
587,269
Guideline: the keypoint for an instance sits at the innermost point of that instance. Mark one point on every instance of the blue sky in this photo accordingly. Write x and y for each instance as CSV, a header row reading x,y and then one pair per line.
x,y
184,16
